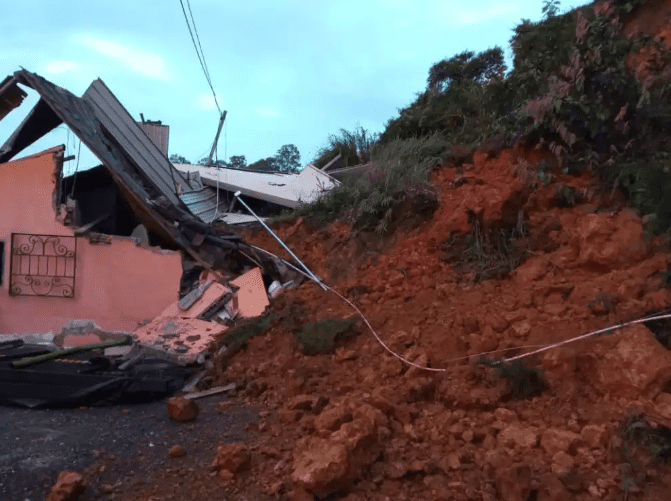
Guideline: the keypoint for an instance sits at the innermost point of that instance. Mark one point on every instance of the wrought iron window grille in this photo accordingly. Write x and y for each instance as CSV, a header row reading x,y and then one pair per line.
x,y
42,265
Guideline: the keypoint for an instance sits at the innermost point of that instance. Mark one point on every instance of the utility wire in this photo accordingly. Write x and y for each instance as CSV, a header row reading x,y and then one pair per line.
x,y
202,54
201,57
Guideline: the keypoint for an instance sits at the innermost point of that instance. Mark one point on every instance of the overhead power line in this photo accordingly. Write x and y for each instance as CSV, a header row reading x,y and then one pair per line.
x,y
199,52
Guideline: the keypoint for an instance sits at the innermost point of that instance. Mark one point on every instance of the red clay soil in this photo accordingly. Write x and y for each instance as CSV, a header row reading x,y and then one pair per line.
x,y
360,424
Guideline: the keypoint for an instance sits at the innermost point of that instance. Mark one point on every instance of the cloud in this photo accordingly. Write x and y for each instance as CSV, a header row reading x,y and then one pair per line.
x,y
142,62
266,112
55,67
206,102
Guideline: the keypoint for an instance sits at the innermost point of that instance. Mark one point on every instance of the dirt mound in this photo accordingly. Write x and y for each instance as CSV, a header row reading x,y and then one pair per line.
x,y
404,433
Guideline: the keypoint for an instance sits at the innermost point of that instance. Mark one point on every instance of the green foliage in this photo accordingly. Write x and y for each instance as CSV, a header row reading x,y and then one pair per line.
x,y
486,252
237,162
399,169
238,337
462,100
354,148
319,337
525,382
178,159
288,159
265,164
657,441
550,8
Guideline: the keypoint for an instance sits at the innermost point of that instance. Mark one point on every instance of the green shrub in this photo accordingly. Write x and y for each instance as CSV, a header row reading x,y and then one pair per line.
x,y
353,147
525,382
400,169
238,337
319,337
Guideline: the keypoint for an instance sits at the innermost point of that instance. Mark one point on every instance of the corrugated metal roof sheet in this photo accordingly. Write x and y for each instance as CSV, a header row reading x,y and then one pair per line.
x,y
202,203
126,132
288,190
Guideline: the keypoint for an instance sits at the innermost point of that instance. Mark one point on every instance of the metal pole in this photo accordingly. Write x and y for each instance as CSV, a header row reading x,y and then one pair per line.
x,y
312,275
216,138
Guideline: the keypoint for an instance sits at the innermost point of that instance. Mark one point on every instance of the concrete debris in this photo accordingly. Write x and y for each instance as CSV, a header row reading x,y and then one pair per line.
x,y
186,329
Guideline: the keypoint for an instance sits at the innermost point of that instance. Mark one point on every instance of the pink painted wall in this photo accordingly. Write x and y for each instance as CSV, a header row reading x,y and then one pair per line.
x,y
117,285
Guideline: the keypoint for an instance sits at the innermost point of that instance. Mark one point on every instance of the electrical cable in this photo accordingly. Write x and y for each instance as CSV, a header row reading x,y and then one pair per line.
x,y
201,57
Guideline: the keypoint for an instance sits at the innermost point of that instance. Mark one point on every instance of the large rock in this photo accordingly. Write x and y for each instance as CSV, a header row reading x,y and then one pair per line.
x,y
232,457
512,436
607,240
68,486
555,440
348,440
182,409
630,363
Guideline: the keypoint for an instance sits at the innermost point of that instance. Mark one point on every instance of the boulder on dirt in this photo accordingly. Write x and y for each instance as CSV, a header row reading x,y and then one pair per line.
x,y
232,458
176,451
555,440
630,364
69,486
351,434
182,409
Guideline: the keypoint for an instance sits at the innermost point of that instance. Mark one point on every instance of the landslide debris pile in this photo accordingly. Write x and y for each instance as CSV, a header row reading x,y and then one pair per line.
x,y
359,424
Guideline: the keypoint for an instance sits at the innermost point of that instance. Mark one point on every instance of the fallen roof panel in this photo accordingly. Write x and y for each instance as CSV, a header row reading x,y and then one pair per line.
x,y
288,190
130,136
82,119
202,203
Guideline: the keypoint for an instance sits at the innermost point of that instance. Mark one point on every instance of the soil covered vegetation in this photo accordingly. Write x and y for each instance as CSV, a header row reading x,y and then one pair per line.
x,y
502,212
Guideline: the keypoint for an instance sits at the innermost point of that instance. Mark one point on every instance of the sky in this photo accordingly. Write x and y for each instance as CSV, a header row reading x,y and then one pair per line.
x,y
286,71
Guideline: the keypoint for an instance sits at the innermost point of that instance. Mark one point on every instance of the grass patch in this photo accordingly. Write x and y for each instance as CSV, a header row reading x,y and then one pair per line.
x,y
656,441
238,337
524,382
319,337
400,171
354,148
487,253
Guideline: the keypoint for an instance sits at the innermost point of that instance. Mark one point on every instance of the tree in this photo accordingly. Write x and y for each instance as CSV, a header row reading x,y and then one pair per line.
x,y
221,164
550,8
288,159
237,162
178,159
467,66
265,164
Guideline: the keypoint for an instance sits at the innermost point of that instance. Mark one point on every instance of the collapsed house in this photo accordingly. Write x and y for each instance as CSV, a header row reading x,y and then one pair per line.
x,y
113,243
267,193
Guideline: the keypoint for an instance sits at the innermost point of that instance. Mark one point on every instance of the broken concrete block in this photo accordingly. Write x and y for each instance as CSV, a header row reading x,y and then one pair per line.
x,y
182,409
251,296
